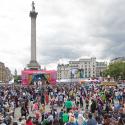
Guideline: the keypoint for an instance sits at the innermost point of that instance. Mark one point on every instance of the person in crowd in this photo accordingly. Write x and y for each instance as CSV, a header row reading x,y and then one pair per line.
x,y
81,120
61,117
68,105
42,111
15,123
93,106
72,121
65,117
106,120
29,121
71,104
87,103
23,111
42,99
121,121
91,120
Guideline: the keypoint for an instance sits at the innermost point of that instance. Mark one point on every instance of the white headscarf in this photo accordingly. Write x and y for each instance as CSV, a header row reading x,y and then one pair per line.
x,y
81,119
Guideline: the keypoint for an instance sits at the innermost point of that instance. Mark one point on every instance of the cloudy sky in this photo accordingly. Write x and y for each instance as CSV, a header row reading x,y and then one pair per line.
x,y
66,30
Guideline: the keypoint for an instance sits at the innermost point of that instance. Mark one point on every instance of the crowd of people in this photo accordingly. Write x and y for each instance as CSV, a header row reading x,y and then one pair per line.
x,y
64,104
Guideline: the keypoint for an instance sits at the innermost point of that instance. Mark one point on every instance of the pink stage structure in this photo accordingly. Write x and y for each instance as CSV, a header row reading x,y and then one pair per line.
x,y
28,74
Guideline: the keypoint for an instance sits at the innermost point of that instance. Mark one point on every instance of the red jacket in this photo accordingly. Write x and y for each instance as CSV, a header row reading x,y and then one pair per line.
x,y
29,122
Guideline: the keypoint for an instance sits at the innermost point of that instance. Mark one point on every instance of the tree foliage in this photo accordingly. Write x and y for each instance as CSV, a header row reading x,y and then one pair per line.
x,y
115,70
17,78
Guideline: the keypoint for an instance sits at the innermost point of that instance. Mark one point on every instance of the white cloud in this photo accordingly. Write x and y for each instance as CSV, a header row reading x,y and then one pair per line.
x,y
66,29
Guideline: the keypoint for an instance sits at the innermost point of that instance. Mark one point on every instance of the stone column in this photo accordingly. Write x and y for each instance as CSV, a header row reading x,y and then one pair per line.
x,y
33,16
33,63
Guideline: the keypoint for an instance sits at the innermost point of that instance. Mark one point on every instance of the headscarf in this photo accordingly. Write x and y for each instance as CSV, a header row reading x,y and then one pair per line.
x,y
81,119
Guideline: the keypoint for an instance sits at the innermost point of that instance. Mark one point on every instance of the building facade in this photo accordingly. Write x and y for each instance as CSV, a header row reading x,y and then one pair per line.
x,y
5,73
88,66
9,75
84,68
63,71
100,67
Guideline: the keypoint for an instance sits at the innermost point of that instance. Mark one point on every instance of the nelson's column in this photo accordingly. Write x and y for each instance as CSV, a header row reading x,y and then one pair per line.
x,y
33,63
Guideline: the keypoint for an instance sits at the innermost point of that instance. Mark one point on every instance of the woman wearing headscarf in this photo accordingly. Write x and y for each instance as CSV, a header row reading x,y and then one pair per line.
x,y
81,120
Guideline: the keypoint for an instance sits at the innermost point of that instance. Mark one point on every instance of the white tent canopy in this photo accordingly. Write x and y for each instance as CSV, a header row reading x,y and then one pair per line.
x,y
11,81
75,80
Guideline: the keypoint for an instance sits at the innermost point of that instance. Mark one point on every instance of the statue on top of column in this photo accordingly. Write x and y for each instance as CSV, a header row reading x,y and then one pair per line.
x,y
33,6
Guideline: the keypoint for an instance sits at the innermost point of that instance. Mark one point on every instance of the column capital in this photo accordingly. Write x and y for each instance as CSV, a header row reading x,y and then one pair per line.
x,y
33,14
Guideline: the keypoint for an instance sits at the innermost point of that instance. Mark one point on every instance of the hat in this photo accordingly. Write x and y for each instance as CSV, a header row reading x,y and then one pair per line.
x,y
23,117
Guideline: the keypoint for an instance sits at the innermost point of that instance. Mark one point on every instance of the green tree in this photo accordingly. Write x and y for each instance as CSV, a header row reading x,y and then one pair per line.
x,y
116,70
105,73
122,70
17,79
